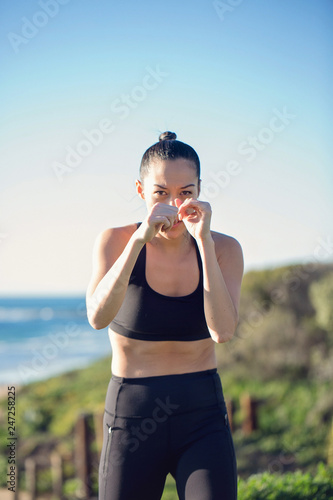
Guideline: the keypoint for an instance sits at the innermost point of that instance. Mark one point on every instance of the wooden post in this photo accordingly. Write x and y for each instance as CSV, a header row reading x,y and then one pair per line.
x,y
16,494
230,410
330,447
56,472
249,409
31,480
82,455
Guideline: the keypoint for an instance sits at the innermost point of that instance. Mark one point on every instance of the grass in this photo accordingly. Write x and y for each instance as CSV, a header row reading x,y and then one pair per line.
x,y
291,435
266,486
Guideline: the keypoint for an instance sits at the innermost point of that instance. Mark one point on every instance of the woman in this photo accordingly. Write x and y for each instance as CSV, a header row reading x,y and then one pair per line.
x,y
169,288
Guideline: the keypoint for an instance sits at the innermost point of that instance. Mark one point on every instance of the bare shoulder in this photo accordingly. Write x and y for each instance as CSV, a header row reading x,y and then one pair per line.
x,y
229,253
115,237
108,246
226,245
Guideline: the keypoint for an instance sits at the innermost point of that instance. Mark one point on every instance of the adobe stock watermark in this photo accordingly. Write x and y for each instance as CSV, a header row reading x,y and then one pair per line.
x,y
121,107
40,358
138,434
112,283
291,280
31,27
253,320
279,463
249,149
52,348
222,8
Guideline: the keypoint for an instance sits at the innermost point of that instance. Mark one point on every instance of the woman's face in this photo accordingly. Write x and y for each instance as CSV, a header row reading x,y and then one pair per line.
x,y
168,180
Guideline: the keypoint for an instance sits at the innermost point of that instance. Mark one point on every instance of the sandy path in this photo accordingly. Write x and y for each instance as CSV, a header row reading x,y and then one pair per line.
x,y
23,495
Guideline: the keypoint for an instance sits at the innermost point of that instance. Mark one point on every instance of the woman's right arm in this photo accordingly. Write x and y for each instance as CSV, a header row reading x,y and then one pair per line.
x,y
114,256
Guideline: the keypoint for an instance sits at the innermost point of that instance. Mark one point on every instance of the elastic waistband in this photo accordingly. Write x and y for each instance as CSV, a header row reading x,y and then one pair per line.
x,y
164,378
139,397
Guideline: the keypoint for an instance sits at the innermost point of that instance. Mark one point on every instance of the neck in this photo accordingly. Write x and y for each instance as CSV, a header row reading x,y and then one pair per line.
x,y
179,245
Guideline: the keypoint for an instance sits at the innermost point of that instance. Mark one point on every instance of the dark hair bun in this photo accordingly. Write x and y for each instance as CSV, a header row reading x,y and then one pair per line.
x,y
168,136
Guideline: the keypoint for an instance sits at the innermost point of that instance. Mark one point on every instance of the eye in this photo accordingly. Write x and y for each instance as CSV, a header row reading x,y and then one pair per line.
x,y
160,192
186,193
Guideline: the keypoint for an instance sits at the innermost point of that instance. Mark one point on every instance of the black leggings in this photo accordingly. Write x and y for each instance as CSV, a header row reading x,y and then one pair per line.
x,y
169,423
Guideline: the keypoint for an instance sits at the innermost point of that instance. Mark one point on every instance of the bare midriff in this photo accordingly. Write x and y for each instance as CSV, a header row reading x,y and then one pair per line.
x,y
140,358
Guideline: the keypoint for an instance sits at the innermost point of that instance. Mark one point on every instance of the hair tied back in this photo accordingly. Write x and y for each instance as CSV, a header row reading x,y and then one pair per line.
x,y
168,136
168,148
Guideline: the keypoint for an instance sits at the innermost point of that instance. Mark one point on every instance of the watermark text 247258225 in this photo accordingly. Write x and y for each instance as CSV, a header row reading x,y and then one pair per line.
x,y
11,475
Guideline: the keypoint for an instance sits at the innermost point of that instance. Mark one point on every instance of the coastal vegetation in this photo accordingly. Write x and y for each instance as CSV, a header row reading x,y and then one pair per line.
x,y
281,358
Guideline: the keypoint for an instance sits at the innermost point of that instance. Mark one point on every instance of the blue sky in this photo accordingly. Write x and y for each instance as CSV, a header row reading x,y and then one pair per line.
x,y
245,82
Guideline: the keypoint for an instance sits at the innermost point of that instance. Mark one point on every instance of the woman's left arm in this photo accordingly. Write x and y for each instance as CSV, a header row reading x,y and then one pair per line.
x,y
223,267
222,263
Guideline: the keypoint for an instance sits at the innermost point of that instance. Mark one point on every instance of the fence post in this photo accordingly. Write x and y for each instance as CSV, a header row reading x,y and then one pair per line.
x,y
249,409
31,480
82,455
16,493
56,472
330,446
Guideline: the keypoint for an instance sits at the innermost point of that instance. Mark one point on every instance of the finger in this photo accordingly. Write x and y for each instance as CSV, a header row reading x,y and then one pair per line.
x,y
167,211
186,208
159,221
167,224
178,203
181,207
191,201
161,208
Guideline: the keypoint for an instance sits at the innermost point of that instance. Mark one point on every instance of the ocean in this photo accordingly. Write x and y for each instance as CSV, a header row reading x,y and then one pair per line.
x,y
45,336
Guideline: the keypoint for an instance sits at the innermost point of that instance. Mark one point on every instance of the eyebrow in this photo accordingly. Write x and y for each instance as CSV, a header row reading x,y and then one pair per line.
x,y
164,187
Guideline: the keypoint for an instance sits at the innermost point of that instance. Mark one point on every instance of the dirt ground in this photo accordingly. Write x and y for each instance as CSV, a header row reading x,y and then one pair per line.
x,y
8,495
23,495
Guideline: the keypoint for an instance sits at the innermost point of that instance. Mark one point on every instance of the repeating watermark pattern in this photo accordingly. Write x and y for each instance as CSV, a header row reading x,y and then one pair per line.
x,y
291,280
249,149
265,136
293,277
31,27
116,283
121,107
138,434
52,348
222,8
284,459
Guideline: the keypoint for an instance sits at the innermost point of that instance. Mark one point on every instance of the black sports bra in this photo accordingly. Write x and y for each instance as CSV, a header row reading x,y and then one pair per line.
x,y
148,315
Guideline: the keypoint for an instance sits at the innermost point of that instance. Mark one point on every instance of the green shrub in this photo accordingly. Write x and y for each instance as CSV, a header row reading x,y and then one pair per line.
x,y
266,486
321,293
289,486
3,471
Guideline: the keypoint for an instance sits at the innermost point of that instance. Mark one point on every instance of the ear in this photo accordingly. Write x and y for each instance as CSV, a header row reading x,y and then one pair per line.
x,y
139,189
199,187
